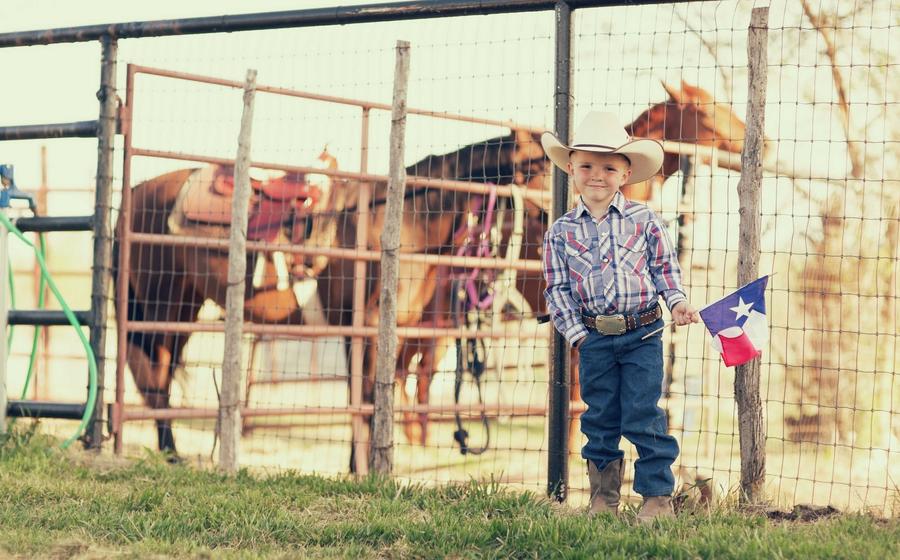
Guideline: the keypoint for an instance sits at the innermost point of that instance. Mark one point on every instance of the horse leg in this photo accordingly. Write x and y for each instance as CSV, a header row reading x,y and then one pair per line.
x,y
152,375
409,357
424,376
154,357
420,355
415,290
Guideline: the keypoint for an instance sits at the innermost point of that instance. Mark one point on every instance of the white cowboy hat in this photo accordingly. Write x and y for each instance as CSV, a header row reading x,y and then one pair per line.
x,y
602,133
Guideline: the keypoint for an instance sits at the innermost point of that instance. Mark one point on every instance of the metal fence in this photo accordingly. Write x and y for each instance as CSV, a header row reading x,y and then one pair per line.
x,y
829,226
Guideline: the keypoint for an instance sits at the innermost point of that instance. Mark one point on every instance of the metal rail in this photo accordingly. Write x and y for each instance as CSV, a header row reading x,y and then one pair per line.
x,y
320,97
44,224
44,409
81,129
46,317
339,15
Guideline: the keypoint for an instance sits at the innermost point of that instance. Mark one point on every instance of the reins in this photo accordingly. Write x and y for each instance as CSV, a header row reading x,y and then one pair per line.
x,y
468,305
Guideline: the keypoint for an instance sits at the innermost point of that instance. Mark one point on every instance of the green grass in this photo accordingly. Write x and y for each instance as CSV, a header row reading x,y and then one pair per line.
x,y
56,504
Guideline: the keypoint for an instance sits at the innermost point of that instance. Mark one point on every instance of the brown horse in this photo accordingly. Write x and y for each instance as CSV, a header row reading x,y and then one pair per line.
x,y
171,283
689,115
168,283
431,221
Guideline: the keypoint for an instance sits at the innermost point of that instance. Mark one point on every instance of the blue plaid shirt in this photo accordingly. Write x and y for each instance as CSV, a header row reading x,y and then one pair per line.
x,y
619,264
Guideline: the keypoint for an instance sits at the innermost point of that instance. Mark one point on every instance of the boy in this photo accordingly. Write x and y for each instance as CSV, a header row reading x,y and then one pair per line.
x,y
606,262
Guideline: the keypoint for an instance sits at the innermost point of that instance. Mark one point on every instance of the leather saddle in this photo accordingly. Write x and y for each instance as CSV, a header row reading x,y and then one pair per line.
x,y
273,202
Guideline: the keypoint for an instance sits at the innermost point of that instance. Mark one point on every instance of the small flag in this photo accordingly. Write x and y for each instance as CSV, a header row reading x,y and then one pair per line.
x,y
738,324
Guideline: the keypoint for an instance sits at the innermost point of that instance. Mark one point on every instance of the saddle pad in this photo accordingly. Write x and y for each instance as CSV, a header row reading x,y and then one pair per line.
x,y
180,224
202,202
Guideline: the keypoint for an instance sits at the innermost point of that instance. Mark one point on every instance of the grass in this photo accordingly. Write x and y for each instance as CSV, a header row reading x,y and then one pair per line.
x,y
56,504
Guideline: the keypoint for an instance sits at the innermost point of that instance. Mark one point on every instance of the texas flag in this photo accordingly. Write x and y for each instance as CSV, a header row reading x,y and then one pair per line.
x,y
737,323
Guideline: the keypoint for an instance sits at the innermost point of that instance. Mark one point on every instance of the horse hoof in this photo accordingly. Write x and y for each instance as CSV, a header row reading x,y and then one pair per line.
x,y
174,458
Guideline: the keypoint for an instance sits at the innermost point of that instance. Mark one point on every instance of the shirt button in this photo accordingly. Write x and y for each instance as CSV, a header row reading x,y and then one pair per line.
x,y
605,259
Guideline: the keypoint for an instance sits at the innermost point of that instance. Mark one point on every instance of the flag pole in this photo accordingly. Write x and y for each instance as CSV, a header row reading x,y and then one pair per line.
x,y
649,334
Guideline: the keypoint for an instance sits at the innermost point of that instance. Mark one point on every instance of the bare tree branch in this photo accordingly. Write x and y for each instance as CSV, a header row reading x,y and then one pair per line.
x,y
712,49
821,25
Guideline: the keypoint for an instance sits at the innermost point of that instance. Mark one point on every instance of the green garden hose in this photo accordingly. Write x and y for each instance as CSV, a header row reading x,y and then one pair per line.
x,y
32,358
12,303
92,362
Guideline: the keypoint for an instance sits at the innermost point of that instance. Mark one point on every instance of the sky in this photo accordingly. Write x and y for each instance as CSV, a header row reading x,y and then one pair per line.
x,y
323,60
498,67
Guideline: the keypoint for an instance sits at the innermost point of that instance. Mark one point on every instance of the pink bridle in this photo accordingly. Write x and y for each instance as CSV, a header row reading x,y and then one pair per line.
x,y
482,248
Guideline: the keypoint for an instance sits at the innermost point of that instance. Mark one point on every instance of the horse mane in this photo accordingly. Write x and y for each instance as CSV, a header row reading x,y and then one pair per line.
x,y
485,161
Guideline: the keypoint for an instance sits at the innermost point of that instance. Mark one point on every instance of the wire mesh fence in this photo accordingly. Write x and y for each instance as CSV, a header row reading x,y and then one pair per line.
x,y
473,358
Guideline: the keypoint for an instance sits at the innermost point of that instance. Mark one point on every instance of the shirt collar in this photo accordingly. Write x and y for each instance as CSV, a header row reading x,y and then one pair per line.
x,y
618,202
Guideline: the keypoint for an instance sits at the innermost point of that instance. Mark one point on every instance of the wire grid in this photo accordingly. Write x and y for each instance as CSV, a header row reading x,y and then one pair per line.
x,y
829,237
828,234
312,372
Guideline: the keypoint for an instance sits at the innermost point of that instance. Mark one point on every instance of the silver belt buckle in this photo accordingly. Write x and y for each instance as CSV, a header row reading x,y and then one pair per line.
x,y
610,324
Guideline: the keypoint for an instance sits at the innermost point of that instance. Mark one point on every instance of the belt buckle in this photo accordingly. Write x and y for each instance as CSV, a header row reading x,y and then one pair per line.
x,y
610,324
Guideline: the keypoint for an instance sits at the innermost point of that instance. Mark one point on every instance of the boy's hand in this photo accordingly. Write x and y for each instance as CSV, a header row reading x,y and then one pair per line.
x,y
684,313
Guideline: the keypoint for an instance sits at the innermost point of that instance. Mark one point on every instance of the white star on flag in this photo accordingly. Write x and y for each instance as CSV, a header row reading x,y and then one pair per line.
x,y
742,309
737,323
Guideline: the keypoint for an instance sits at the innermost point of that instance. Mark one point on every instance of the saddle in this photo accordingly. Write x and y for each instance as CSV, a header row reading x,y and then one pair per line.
x,y
207,198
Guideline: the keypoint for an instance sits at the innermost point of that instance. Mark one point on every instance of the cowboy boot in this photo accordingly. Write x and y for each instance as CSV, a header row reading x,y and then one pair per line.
x,y
656,507
605,486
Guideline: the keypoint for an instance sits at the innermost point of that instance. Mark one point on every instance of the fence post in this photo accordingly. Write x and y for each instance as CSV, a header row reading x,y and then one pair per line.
x,y
752,430
230,401
558,409
101,273
382,456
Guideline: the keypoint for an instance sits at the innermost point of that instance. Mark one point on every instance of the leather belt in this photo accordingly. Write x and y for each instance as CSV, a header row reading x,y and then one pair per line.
x,y
620,324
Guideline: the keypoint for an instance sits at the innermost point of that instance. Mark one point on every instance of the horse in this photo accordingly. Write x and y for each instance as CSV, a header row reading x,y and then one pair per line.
x,y
689,115
431,221
168,283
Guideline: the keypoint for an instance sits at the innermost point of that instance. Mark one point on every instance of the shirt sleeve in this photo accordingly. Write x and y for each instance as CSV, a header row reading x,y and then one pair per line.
x,y
663,263
564,310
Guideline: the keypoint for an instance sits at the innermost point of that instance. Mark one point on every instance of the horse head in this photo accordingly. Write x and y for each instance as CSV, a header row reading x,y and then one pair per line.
x,y
315,224
690,115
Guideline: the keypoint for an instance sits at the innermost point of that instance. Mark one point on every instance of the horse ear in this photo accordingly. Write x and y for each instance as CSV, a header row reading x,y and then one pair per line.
x,y
696,94
327,158
676,94
527,146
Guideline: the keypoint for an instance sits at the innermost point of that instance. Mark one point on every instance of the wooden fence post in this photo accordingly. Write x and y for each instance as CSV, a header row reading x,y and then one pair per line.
x,y
751,426
230,400
382,456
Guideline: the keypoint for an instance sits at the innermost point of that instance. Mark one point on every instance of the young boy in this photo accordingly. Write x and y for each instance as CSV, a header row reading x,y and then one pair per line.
x,y
606,262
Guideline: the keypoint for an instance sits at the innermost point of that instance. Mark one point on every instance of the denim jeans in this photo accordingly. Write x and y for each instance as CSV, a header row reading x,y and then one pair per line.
x,y
621,383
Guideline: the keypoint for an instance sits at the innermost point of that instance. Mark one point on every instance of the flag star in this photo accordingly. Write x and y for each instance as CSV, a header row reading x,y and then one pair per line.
x,y
742,309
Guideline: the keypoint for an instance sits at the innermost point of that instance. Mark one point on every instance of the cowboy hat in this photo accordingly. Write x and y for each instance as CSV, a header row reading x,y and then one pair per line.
x,y
603,134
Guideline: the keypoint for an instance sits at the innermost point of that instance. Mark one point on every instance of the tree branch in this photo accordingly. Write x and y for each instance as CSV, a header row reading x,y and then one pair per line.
x,y
853,149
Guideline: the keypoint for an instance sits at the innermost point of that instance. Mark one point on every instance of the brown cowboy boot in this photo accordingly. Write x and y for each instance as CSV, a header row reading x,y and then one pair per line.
x,y
656,507
605,486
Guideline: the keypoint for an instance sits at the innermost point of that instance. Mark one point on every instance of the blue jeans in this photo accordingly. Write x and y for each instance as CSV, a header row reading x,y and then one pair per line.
x,y
621,383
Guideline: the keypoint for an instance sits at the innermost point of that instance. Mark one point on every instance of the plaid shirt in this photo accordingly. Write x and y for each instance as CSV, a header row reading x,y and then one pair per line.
x,y
619,264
